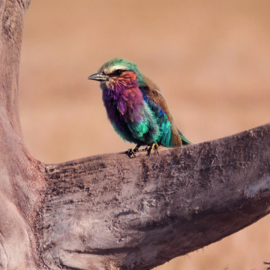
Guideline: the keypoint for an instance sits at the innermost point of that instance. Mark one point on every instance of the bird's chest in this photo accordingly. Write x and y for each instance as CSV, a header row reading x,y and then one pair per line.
x,y
122,108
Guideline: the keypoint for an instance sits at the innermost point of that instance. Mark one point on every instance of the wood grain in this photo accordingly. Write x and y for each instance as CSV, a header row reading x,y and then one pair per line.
x,y
113,212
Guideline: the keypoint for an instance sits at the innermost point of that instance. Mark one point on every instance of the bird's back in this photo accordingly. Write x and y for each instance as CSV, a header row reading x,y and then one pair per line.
x,y
135,105
154,96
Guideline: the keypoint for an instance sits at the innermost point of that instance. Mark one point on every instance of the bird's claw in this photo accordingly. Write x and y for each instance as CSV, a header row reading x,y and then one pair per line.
x,y
154,145
131,152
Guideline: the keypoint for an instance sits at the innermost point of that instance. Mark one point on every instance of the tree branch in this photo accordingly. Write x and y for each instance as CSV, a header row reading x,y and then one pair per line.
x,y
11,17
112,212
21,182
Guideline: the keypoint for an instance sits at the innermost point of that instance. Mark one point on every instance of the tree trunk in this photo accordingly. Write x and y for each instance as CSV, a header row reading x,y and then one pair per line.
x,y
21,182
111,212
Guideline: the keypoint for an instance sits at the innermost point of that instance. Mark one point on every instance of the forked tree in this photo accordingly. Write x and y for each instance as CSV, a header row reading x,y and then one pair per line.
x,y
110,211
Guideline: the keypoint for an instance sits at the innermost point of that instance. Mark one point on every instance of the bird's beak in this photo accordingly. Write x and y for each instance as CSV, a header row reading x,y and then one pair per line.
x,y
98,77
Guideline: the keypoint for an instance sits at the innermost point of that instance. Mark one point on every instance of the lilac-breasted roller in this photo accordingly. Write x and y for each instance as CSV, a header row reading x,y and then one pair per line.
x,y
136,107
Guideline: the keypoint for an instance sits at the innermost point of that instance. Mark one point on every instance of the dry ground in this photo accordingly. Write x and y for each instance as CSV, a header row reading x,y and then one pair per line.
x,y
211,58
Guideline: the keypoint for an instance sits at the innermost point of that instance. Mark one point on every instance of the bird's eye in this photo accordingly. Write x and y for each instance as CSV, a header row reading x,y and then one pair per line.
x,y
117,72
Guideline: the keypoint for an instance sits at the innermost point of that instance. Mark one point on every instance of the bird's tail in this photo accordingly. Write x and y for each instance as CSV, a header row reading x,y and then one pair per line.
x,y
185,141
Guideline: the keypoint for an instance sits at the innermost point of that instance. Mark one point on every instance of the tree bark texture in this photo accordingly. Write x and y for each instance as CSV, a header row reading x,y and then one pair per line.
x,y
20,179
111,212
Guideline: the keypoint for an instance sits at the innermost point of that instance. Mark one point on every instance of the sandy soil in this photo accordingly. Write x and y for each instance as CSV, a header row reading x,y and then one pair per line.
x,y
211,59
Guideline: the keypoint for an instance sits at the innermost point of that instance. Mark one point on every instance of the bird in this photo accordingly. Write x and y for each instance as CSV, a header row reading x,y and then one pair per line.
x,y
136,107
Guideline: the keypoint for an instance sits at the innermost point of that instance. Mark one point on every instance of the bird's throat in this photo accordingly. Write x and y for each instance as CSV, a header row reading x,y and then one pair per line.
x,y
123,102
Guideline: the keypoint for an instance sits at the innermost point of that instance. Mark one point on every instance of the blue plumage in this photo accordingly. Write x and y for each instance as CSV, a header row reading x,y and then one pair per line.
x,y
165,133
136,107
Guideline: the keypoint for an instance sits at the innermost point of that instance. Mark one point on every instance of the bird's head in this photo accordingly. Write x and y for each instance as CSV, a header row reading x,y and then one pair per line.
x,y
118,72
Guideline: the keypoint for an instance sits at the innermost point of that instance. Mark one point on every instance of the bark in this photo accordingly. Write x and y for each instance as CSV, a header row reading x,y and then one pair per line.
x,y
112,212
20,180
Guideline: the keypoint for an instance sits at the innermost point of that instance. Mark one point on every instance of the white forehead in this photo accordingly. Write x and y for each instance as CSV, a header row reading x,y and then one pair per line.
x,y
110,69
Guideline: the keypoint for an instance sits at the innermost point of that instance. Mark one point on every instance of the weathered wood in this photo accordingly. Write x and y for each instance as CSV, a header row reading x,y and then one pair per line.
x,y
112,212
12,16
20,180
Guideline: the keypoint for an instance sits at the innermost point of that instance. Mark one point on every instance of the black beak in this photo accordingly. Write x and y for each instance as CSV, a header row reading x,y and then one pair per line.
x,y
98,77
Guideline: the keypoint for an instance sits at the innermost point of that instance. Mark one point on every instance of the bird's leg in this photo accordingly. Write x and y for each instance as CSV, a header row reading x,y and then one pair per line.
x,y
131,152
154,145
136,149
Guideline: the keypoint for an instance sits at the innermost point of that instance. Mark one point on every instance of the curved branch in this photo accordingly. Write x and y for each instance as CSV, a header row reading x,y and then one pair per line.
x,y
11,27
112,212
21,182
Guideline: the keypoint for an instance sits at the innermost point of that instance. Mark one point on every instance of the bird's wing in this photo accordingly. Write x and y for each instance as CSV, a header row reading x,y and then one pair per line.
x,y
150,84
155,96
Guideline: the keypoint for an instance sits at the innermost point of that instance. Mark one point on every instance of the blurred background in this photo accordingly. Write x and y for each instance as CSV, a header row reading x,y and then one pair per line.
x,y
210,58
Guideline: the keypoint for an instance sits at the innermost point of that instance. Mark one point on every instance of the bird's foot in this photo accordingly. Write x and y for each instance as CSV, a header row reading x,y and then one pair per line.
x,y
151,147
131,152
